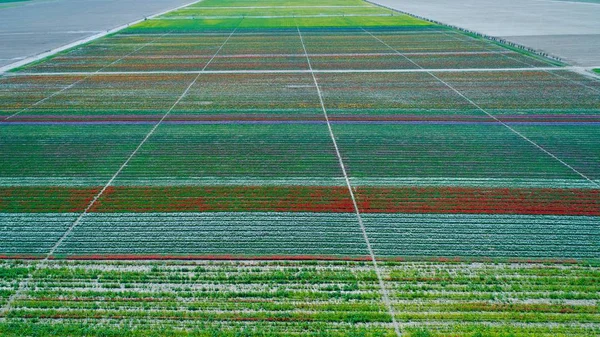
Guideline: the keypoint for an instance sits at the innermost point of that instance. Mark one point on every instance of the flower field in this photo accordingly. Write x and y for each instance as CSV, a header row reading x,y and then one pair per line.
x,y
298,168
233,298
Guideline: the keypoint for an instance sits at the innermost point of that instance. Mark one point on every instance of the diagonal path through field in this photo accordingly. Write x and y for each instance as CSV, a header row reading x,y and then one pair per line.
x,y
24,283
384,292
478,107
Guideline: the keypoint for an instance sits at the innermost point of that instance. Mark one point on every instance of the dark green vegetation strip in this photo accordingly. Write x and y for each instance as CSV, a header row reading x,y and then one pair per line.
x,y
59,154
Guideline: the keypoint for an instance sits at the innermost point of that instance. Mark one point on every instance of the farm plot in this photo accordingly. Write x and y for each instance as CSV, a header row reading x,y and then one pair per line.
x,y
495,56
316,146
250,97
303,298
147,97
19,94
32,235
388,96
266,51
125,52
530,94
65,155
494,299
281,49
493,236
577,143
101,97
221,153
192,25
207,235
242,128
10,276
442,151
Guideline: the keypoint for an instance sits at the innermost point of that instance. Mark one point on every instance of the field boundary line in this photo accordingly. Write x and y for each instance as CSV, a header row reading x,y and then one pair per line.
x,y
6,307
489,114
298,71
84,78
384,292
589,72
51,52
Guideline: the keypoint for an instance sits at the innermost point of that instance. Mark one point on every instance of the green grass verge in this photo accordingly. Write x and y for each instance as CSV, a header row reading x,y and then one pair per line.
x,y
183,25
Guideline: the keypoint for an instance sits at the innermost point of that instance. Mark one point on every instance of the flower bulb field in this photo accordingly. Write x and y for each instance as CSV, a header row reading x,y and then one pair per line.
x,y
299,168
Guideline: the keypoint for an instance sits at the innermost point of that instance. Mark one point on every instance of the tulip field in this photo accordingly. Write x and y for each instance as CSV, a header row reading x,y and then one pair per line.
x,y
298,168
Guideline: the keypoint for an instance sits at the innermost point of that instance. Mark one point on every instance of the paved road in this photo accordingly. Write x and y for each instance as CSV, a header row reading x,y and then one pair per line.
x,y
31,27
567,29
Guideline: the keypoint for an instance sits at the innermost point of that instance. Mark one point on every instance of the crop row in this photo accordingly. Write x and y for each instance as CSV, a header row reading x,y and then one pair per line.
x,y
296,154
516,96
217,153
284,50
89,155
498,92
577,144
303,298
301,198
193,25
75,96
478,200
274,235
392,235
18,93
483,235
458,151
134,96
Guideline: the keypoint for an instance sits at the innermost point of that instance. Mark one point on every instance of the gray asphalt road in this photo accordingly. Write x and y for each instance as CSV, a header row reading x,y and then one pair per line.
x,y
567,29
32,27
